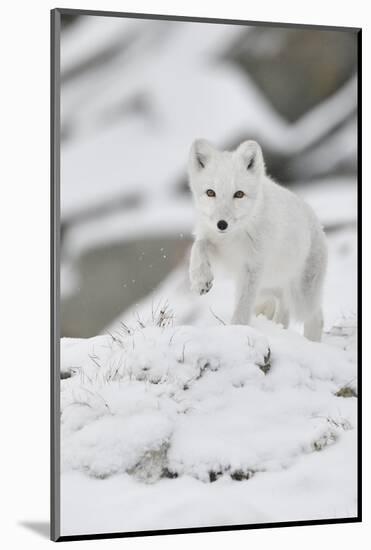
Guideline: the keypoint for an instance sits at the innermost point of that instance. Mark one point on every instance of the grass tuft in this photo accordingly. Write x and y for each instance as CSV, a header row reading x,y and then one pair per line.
x,y
346,391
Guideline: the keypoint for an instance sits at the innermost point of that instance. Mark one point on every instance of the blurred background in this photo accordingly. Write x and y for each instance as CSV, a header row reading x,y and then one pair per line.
x,y
135,94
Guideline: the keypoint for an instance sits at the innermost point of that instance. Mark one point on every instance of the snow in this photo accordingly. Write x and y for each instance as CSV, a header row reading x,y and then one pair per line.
x,y
167,218
181,108
317,486
334,200
253,409
114,151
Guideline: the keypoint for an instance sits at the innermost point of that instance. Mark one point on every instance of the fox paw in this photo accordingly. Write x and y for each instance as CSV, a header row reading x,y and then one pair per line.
x,y
201,285
206,287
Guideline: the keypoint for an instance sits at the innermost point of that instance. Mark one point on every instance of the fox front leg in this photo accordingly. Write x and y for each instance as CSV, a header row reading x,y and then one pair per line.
x,y
247,285
199,270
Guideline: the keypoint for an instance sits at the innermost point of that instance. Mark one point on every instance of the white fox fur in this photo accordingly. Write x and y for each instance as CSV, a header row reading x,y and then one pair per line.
x,y
273,245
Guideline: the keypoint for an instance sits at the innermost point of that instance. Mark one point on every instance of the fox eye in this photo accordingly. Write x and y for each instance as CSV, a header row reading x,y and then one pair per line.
x,y
238,195
210,193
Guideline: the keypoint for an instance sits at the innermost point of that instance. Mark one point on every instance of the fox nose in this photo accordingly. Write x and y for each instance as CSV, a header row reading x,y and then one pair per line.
x,y
222,225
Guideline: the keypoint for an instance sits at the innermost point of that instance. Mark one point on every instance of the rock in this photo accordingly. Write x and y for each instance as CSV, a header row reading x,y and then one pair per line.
x,y
296,69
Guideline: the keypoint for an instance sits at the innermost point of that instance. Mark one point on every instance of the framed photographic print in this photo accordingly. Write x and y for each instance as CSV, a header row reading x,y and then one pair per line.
x,y
205,274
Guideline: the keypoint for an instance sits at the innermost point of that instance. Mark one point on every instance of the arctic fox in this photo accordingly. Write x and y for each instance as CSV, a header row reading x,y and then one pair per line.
x,y
267,237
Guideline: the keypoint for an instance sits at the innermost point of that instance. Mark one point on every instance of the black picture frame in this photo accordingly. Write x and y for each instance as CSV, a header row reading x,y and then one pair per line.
x,y
56,15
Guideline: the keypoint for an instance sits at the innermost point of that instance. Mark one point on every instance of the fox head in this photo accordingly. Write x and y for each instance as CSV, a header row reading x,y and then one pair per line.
x,y
225,185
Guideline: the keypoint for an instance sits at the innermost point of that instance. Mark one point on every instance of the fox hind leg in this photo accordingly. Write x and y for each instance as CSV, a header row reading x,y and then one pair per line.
x,y
313,326
283,314
307,291
273,305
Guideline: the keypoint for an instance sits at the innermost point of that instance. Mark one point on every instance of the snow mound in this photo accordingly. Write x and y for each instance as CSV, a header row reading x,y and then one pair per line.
x,y
164,401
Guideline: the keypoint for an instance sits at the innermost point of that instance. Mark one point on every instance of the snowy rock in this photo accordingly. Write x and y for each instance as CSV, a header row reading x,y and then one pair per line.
x,y
171,401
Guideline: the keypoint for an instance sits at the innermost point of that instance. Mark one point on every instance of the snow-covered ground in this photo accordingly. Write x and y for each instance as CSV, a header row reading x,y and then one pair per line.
x,y
161,414
169,423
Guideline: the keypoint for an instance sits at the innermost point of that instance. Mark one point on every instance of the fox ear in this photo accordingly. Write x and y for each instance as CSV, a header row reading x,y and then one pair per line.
x,y
200,154
252,155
